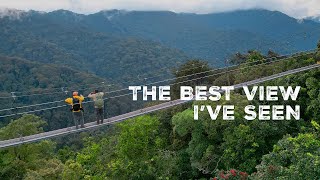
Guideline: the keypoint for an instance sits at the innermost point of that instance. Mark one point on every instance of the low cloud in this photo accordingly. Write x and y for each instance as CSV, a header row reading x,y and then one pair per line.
x,y
295,8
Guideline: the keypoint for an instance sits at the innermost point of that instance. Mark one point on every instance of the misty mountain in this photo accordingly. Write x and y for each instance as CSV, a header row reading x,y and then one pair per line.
x,y
208,36
180,31
214,35
298,34
110,43
314,18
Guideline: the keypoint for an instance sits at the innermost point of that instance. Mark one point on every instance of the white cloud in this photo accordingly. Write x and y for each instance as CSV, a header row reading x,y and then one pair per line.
x,y
296,8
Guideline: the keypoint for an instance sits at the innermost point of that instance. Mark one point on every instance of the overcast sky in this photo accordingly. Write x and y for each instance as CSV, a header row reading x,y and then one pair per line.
x,y
295,8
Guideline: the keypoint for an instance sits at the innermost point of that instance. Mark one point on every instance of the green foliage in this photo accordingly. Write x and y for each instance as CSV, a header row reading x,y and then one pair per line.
x,y
244,145
292,158
238,58
315,125
137,144
240,148
136,152
24,75
192,69
312,86
270,66
182,122
47,170
72,170
254,58
203,139
137,135
26,125
30,160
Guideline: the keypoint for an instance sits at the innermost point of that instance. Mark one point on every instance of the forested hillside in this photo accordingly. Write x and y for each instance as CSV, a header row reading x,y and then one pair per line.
x,y
38,38
183,32
20,75
104,37
211,36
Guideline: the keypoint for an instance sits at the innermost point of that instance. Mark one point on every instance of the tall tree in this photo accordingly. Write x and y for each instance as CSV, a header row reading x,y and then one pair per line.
x,y
292,158
192,73
35,160
318,52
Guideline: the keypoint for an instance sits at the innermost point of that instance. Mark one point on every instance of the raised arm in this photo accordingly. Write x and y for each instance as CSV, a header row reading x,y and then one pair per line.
x,y
68,100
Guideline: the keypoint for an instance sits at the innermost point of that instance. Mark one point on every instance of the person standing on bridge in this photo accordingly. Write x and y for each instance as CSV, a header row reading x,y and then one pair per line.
x,y
97,97
76,108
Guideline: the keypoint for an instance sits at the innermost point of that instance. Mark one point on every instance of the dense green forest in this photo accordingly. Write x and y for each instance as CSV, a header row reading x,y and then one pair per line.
x,y
169,144
36,83
117,59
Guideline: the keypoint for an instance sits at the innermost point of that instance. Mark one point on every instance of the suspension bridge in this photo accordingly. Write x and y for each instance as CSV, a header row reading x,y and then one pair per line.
x,y
123,117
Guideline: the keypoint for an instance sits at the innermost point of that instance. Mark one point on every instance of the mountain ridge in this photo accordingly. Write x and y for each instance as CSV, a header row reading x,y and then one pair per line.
x,y
212,37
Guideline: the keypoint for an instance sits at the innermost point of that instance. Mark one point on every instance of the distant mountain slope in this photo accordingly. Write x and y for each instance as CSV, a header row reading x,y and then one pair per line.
x,y
300,34
110,43
191,33
212,36
44,38
314,18
21,75
236,30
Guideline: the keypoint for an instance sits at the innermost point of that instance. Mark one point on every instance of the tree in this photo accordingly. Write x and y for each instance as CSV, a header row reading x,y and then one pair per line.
x,y
26,125
272,54
238,58
134,152
137,144
254,57
203,138
73,170
292,158
318,52
48,169
192,73
15,162
313,86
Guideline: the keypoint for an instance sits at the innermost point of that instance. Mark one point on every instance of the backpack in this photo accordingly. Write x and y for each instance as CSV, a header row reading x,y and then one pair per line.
x,y
76,104
99,103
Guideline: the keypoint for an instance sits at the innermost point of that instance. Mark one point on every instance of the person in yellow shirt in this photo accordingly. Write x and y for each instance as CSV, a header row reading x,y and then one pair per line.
x,y
76,108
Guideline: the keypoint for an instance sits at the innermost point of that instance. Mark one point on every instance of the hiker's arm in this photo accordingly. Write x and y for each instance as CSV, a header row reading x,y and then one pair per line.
x,y
68,100
81,98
